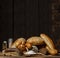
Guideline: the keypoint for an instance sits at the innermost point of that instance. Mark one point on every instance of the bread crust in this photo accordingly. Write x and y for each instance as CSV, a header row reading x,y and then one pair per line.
x,y
28,45
18,42
35,40
48,41
49,44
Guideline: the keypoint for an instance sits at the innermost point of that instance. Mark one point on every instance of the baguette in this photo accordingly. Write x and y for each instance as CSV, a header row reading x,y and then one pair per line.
x,y
47,40
49,44
35,40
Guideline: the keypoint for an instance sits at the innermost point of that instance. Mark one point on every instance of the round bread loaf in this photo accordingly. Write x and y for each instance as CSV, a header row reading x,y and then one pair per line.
x,y
18,42
21,47
28,45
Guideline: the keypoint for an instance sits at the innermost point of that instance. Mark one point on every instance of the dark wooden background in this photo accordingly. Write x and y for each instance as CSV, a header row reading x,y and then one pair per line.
x,y
24,18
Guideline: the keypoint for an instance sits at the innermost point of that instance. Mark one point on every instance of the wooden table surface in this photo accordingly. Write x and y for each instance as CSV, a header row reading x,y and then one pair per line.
x,y
29,57
34,56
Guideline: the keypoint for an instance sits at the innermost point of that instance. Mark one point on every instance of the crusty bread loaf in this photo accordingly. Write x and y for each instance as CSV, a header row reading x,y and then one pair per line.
x,y
21,47
35,40
28,45
17,42
49,44
47,40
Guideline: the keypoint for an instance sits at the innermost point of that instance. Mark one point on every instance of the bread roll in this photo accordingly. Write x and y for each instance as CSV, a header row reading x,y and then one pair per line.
x,y
47,40
28,45
21,47
18,42
49,44
35,40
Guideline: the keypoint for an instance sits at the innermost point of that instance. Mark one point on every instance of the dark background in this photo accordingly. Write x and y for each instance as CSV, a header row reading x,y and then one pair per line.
x,y
24,18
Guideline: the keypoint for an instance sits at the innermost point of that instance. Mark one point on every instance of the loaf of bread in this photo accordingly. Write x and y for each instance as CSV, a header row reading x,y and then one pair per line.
x,y
35,40
19,41
47,40
28,45
21,47
49,43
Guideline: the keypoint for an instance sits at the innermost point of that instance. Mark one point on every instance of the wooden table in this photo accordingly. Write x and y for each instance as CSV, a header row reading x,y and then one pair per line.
x,y
29,57
35,56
